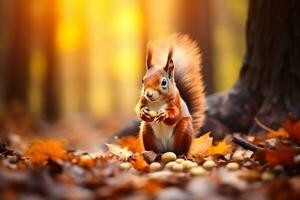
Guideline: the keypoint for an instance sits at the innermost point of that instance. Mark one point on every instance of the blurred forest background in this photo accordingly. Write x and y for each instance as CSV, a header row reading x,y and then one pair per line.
x,y
62,58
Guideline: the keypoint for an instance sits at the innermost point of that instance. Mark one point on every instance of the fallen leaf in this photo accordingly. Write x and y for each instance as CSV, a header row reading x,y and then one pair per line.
x,y
5,150
87,161
139,163
152,186
292,125
122,153
132,143
201,144
282,155
221,148
9,193
281,132
150,156
40,151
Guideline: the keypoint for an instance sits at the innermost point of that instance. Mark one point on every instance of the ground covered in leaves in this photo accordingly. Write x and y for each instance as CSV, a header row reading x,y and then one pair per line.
x,y
239,167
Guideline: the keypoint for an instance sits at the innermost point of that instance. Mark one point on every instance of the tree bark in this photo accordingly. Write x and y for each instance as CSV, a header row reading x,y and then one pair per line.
x,y
268,87
198,12
16,61
51,85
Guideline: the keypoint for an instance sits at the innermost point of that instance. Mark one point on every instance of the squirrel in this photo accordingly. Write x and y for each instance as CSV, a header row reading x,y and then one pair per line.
x,y
172,100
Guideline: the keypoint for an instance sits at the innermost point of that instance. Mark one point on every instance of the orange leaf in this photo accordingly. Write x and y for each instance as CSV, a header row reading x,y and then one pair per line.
x,y
40,151
87,161
201,144
132,143
283,155
139,163
292,125
221,148
281,132
152,186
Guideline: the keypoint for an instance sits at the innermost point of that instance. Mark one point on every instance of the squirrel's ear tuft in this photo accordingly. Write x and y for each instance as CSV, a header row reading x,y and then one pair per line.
x,y
170,54
169,68
149,58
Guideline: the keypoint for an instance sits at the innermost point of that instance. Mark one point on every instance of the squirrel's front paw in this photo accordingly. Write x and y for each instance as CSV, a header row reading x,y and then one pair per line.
x,y
145,114
161,116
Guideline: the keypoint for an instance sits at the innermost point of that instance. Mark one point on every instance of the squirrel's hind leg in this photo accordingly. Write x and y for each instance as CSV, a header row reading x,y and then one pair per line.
x,y
183,136
148,138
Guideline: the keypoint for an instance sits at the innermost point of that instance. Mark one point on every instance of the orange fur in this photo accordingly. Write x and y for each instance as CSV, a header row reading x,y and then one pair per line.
x,y
148,138
173,111
180,105
188,66
183,136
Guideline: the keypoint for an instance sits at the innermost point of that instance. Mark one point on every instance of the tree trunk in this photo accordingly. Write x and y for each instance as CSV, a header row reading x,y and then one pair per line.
x,y
198,12
3,47
16,61
51,85
268,87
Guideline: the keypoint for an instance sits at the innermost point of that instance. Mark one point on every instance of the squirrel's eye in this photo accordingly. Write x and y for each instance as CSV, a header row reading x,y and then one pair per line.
x,y
142,81
163,83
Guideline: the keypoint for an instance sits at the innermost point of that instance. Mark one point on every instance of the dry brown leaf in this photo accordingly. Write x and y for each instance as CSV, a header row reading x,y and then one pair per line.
x,y
149,156
132,143
40,151
201,144
122,153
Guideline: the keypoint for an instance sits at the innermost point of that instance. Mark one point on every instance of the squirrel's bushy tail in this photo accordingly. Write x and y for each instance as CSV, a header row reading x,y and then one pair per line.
x,y
188,78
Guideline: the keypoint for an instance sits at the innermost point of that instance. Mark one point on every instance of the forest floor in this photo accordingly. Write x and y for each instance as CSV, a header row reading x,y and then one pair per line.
x,y
52,165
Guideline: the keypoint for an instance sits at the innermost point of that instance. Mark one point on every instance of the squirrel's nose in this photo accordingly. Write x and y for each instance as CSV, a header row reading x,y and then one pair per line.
x,y
149,94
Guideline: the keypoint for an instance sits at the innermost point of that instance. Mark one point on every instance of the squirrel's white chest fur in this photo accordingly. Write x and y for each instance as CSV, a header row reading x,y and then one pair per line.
x,y
164,133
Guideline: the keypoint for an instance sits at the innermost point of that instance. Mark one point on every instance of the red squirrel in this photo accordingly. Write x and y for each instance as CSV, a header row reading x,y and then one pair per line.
x,y
171,105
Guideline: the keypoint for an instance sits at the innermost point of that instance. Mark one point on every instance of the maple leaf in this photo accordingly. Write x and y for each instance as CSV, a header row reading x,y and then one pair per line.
x,y
132,143
40,151
282,155
139,163
292,125
221,148
201,144
122,153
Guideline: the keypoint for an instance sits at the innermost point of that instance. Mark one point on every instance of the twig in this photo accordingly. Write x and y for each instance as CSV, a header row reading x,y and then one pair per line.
x,y
245,144
259,123
4,152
